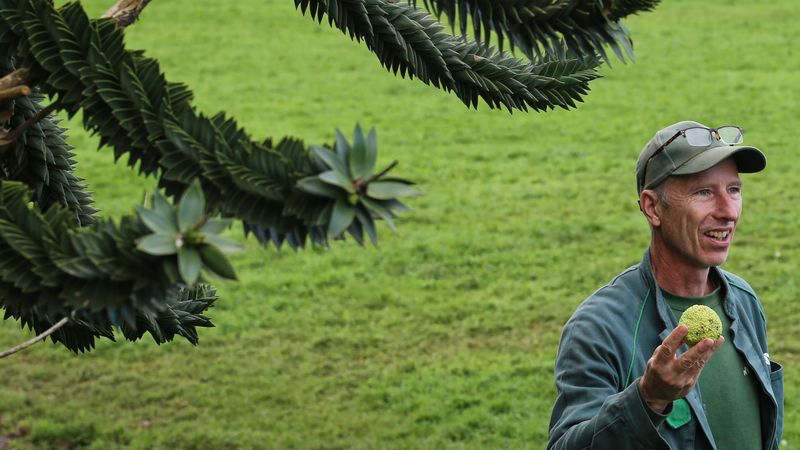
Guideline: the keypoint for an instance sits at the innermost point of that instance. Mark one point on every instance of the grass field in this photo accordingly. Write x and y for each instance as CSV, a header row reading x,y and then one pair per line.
x,y
444,336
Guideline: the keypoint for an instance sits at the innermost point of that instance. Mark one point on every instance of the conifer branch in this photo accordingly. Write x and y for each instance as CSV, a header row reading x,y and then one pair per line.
x,y
410,41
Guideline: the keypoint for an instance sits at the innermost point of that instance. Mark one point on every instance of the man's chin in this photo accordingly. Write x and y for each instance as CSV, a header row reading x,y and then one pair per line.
x,y
716,260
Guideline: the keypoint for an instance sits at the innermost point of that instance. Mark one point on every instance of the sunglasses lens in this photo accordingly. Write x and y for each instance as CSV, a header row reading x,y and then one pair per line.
x,y
730,135
698,137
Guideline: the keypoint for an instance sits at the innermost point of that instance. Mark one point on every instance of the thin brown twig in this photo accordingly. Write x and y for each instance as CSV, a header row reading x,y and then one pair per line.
x,y
36,339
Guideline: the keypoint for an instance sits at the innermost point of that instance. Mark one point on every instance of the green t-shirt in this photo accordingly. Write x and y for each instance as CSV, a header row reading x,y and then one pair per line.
x,y
727,385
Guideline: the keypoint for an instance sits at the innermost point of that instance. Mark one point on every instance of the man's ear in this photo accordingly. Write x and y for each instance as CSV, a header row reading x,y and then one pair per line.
x,y
650,205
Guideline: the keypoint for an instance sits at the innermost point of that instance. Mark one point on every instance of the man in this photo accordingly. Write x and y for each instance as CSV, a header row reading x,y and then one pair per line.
x,y
625,379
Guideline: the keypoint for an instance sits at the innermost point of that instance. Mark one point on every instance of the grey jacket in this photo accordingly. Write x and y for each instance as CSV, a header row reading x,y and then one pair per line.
x,y
604,350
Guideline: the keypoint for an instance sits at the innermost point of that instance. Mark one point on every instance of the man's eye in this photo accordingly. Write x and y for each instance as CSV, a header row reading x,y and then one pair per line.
x,y
735,190
704,192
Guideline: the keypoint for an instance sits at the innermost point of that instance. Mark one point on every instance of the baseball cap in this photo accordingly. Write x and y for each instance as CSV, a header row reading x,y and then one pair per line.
x,y
681,158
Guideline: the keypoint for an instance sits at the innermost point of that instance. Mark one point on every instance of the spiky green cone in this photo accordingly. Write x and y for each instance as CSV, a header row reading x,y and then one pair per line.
x,y
702,322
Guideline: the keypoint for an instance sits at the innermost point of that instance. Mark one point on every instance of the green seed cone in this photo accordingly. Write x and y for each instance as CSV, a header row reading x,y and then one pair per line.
x,y
702,322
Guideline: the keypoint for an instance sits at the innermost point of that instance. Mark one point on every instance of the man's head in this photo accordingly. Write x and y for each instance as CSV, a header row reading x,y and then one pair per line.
x,y
690,192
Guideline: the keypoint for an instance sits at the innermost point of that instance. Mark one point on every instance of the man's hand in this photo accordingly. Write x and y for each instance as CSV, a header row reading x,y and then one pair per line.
x,y
668,377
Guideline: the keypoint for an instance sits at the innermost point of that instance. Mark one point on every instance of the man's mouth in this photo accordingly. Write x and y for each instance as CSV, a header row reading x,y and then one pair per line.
x,y
718,235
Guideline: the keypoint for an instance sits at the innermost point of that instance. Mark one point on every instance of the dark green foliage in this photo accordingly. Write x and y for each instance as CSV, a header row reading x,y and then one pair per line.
x,y
51,268
538,27
43,160
140,276
189,235
358,191
127,101
409,41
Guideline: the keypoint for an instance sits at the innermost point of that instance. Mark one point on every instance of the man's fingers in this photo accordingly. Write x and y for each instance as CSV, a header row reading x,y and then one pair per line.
x,y
718,344
697,356
687,363
666,351
704,348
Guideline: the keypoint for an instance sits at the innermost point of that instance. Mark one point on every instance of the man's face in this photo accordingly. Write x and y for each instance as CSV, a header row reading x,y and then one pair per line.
x,y
698,224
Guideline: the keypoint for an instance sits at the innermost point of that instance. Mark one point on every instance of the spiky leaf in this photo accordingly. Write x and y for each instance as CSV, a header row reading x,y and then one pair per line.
x,y
359,159
158,223
216,226
191,207
189,264
337,179
216,261
313,185
341,217
158,244
385,190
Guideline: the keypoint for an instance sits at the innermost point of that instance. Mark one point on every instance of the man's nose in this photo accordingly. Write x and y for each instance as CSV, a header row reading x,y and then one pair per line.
x,y
728,207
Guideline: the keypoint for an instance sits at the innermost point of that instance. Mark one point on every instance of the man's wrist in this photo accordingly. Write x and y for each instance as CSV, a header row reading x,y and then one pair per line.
x,y
657,406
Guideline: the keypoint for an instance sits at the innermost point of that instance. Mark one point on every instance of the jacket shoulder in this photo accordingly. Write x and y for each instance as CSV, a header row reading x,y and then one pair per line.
x,y
618,301
623,289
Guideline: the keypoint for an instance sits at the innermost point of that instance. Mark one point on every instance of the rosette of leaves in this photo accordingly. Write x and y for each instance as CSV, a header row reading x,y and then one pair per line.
x,y
187,233
359,194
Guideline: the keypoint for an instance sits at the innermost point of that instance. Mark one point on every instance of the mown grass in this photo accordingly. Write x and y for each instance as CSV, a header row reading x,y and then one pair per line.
x,y
444,336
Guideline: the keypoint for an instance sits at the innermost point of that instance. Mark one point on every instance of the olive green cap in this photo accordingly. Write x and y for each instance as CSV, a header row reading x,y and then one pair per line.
x,y
680,158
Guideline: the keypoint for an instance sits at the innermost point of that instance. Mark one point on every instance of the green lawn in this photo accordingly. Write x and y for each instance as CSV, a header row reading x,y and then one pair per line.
x,y
444,336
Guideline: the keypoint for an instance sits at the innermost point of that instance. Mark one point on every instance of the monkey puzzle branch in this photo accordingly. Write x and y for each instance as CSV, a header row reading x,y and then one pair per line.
x,y
36,339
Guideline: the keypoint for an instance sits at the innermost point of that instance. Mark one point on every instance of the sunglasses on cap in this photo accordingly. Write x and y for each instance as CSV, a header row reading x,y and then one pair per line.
x,y
703,137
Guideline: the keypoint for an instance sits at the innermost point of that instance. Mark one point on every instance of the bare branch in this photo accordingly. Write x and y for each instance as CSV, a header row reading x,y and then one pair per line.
x,y
15,78
14,92
36,339
125,12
